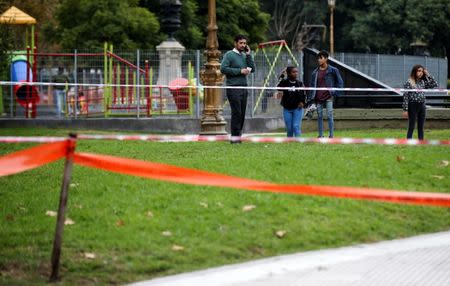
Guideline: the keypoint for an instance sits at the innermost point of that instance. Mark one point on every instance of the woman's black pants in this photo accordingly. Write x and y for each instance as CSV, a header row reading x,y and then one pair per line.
x,y
416,111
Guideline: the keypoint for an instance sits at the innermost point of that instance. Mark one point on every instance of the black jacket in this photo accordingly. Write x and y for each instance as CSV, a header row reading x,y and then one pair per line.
x,y
291,98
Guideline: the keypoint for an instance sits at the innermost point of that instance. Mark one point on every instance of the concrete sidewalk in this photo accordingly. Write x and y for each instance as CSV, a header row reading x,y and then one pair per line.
x,y
420,260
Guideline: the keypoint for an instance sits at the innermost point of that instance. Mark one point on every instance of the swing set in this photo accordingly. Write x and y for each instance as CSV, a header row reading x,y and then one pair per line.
x,y
267,49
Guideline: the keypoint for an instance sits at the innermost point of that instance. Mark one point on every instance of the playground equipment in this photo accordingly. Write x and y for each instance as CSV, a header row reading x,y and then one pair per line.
x,y
272,76
181,93
121,79
23,69
27,96
129,89
122,84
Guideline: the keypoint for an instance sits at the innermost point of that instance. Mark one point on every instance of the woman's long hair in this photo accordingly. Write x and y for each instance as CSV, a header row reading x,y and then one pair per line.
x,y
413,76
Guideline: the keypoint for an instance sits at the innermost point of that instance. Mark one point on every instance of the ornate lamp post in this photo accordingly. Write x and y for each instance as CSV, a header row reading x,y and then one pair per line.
x,y
332,5
212,122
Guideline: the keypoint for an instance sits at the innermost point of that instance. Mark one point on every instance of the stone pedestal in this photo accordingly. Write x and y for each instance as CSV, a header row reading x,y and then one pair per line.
x,y
170,53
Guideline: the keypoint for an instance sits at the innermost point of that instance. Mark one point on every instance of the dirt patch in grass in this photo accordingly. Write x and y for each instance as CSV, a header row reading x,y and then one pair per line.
x,y
14,270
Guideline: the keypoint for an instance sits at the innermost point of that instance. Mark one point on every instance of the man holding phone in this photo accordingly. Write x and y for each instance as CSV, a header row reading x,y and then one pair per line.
x,y
236,65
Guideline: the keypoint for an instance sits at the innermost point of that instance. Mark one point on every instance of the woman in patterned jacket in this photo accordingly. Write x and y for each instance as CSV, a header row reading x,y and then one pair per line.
x,y
414,101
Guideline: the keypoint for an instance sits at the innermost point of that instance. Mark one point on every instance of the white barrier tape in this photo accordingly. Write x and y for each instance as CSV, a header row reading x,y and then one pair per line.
x,y
399,90
218,138
35,139
253,139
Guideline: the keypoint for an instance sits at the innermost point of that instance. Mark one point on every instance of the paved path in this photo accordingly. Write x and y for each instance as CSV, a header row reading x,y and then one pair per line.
x,y
420,260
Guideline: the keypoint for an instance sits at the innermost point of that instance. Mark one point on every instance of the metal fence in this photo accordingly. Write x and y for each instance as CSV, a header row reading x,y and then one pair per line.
x,y
394,70
130,78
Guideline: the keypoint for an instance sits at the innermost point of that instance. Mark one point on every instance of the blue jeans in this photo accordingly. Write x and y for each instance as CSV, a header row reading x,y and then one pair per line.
x,y
329,107
293,121
60,99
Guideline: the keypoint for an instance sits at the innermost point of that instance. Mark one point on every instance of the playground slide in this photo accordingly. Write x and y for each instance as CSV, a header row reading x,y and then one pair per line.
x,y
21,72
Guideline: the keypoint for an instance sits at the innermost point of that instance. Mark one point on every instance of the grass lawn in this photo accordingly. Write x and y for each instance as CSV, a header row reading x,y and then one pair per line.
x,y
125,221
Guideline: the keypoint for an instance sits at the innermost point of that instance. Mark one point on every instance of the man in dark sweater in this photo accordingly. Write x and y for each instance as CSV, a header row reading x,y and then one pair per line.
x,y
236,65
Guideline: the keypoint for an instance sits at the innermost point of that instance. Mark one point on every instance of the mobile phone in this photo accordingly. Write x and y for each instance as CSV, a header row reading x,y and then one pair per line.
x,y
247,49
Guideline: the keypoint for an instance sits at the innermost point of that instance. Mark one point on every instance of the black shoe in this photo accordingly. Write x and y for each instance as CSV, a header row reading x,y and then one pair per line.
x,y
236,142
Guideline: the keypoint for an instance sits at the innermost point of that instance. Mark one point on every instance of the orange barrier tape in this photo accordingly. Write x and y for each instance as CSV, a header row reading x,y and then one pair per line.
x,y
415,198
163,172
182,175
31,158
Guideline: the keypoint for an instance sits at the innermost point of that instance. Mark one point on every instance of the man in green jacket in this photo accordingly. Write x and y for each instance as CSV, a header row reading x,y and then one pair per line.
x,y
236,65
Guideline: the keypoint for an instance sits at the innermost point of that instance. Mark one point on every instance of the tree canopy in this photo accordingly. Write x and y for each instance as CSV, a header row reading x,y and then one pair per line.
x,y
240,17
134,24
391,26
291,20
233,17
88,24
383,26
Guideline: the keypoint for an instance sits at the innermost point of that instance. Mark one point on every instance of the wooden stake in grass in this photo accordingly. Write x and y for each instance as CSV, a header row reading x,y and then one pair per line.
x,y
56,253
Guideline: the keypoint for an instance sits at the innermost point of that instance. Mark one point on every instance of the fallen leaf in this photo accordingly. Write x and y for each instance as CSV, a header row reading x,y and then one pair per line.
x,y
443,163
437,177
205,205
22,208
219,204
74,185
400,158
77,206
89,255
149,214
69,222
9,217
166,233
51,213
248,208
177,247
280,233
120,223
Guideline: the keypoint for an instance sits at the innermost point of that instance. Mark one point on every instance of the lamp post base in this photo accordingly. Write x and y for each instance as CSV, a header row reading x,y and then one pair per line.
x,y
213,128
213,124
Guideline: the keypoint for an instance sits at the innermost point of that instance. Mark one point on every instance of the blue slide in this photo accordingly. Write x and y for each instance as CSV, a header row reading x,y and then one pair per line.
x,y
20,72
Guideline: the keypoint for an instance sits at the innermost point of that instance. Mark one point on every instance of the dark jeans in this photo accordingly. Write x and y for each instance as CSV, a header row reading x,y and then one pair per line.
x,y
238,103
416,111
